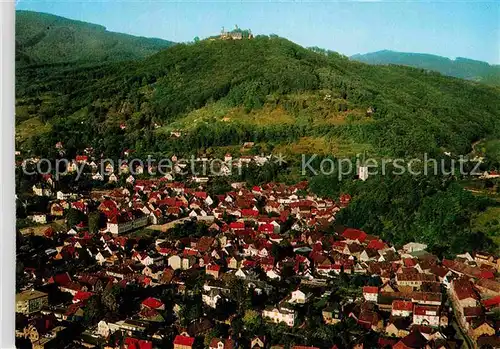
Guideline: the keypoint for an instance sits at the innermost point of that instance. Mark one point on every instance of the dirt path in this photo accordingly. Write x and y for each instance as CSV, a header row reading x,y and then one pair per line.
x,y
58,224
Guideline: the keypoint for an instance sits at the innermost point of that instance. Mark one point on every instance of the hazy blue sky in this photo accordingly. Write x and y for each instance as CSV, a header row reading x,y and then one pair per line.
x,y
467,29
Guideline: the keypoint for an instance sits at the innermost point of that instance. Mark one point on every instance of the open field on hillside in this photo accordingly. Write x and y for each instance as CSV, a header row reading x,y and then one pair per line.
x,y
489,223
40,229
337,147
31,127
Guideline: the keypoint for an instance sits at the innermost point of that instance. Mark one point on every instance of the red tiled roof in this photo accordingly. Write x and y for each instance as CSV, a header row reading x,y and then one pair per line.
x,y
200,194
72,309
134,343
463,289
60,279
81,158
237,225
376,244
386,342
180,203
213,267
424,309
183,340
49,232
345,198
152,303
249,263
402,305
79,205
82,296
354,234
166,202
414,340
189,252
266,228
487,275
409,262
249,212
173,210
473,311
370,289
492,302
204,243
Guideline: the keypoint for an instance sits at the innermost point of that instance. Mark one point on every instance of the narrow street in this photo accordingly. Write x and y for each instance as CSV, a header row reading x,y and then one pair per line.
x,y
460,333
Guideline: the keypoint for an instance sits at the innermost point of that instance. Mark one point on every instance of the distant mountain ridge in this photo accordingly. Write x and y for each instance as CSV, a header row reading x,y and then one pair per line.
x,y
268,90
460,67
43,38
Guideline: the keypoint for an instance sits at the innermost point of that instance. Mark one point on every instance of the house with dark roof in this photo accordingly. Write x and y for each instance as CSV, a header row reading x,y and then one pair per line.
x,y
219,343
414,340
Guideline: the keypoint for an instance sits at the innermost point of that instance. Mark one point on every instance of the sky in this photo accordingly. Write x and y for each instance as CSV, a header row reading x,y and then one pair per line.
x,y
447,28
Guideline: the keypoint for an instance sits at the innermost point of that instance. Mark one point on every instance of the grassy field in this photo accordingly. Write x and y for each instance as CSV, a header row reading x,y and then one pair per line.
x,y
220,111
489,148
323,146
492,149
489,223
31,127
307,108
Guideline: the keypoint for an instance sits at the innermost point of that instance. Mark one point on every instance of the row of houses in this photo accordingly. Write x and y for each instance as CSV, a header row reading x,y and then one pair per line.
x,y
241,243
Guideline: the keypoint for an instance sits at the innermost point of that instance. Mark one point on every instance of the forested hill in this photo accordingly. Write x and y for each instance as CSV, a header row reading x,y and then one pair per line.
x,y
44,39
266,89
463,68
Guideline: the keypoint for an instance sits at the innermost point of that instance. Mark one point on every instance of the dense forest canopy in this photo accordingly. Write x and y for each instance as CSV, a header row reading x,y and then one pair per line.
x,y
434,210
42,38
396,110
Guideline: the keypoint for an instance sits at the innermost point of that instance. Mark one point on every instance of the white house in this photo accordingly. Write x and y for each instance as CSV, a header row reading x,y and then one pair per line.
x,y
211,298
41,191
363,172
113,178
65,196
280,314
241,274
130,179
39,218
401,308
273,275
209,201
225,170
197,179
370,293
120,224
175,262
104,329
217,343
139,169
300,296
109,168
72,167
152,260
414,247
426,315
97,177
